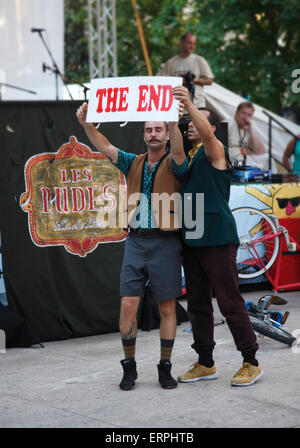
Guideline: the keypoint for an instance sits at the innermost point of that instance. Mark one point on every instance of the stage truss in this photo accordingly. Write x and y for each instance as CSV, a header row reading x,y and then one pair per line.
x,y
102,38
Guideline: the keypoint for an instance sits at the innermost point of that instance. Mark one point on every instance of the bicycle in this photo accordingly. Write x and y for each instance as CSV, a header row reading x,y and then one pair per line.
x,y
269,322
260,238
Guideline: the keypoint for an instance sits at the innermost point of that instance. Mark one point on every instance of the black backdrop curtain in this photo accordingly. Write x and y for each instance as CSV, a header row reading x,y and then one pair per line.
x,y
59,294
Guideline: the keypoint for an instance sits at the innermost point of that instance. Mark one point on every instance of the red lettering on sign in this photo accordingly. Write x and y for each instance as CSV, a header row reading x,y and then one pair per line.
x,y
86,176
109,197
164,106
151,97
82,198
161,99
123,105
64,179
75,191
92,197
46,200
111,103
76,175
112,99
154,97
61,199
100,93
142,106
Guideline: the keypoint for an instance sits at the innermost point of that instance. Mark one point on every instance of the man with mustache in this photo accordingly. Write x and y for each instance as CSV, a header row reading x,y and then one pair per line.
x,y
210,260
152,250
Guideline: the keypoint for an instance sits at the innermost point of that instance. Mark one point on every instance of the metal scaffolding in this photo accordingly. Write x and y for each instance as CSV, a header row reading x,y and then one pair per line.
x,y
102,38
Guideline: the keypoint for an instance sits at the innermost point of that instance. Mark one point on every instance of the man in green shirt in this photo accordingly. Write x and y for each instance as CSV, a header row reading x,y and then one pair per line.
x,y
210,260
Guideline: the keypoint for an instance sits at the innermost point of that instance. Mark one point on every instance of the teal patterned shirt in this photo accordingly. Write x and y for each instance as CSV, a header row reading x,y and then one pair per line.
x,y
125,160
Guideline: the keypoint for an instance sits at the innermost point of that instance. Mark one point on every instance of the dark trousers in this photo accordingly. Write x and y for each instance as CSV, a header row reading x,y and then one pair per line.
x,y
215,267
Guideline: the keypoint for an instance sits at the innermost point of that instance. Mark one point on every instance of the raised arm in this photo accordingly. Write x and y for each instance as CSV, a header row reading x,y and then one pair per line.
x,y
99,141
214,149
203,81
176,141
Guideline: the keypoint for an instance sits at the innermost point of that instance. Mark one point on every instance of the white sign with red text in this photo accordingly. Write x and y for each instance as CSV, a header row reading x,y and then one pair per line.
x,y
139,98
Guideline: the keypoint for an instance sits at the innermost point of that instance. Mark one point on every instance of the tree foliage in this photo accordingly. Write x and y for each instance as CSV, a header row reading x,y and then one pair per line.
x,y
253,46
162,25
76,40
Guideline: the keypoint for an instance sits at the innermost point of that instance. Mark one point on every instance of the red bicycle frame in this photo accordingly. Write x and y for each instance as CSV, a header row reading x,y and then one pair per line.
x,y
295,247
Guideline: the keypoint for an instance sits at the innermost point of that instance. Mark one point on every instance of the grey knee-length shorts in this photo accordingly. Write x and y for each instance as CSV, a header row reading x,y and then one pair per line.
x,y
156,258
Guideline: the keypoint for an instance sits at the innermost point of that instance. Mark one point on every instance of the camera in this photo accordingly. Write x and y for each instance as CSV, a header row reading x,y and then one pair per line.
x,y
189,81
183,125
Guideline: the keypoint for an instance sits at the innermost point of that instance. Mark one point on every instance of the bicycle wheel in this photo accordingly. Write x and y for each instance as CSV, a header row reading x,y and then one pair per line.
x,y
259,246
269,330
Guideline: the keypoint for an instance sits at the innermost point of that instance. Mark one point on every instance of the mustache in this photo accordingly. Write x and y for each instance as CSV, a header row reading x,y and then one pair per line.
x,y
155,140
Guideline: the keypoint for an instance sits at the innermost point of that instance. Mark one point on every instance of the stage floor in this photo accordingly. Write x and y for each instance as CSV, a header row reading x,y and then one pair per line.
x,y
74,384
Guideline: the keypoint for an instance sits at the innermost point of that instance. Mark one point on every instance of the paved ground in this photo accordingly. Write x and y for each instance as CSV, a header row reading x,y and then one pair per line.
x,y
74,384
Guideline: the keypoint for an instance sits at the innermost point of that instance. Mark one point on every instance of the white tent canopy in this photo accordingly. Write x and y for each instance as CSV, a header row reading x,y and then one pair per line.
x,y
224,103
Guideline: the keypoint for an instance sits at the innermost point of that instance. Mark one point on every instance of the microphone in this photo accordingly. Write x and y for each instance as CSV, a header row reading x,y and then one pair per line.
x,y
44,67
37,30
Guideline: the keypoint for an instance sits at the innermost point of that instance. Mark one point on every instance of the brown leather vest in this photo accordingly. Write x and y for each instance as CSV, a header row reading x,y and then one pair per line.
x,y
165,211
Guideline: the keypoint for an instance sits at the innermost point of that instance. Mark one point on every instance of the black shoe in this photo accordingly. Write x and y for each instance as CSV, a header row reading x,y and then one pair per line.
x,y
164,375
130,374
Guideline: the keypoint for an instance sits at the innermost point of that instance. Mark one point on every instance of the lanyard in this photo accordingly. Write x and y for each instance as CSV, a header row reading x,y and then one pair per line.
x,y
241,141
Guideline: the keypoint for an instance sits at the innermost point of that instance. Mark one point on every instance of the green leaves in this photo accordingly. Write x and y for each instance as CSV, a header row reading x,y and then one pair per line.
x,y
252,45
76,41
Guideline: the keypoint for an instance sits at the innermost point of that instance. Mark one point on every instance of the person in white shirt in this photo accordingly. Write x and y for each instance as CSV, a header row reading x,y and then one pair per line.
x,y
244,145
188,64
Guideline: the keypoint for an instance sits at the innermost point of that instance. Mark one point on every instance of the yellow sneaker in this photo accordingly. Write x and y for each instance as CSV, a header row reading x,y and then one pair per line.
x,y
247,375
198,372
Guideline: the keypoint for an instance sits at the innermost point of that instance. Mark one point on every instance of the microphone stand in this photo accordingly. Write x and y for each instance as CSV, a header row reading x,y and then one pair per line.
x,y
15,87
56,69
53,70
85,89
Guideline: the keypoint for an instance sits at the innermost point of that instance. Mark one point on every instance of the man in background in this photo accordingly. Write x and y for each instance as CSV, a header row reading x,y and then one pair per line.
x,y
244,145
193,68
